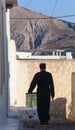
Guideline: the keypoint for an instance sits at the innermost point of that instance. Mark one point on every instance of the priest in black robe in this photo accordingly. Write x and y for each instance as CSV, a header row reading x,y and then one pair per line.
x,y
45,90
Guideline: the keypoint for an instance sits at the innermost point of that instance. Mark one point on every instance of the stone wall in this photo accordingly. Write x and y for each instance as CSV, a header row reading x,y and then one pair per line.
x,y
61,70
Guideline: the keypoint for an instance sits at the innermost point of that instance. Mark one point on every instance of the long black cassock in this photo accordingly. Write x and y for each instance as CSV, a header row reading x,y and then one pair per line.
x,y
45,89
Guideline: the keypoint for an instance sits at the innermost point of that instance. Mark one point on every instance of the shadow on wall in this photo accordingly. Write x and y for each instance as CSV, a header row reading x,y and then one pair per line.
x,y
58,108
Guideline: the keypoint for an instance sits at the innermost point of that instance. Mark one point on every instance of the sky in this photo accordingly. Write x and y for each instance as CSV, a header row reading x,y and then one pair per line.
x,y
54,8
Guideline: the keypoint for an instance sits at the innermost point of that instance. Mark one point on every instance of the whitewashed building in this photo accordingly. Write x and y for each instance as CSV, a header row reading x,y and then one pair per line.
x,y
4,4
20,67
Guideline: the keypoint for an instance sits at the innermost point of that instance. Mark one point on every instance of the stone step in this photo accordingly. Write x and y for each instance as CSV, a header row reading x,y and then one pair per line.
x,y
27,113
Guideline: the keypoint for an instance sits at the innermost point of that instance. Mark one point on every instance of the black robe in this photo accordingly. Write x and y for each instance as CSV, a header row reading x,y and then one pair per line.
x,y
45,88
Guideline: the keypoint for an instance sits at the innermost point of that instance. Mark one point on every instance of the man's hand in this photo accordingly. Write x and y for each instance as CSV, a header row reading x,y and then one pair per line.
x,y
29,91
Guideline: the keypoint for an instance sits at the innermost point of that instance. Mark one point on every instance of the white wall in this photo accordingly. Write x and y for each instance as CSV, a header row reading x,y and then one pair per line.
x,y
12,65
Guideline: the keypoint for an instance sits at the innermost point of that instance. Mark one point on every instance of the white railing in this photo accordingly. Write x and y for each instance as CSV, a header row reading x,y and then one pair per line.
x,y
54,55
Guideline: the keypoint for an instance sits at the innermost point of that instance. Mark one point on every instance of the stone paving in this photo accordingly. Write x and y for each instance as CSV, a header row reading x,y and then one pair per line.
x,y
53,125
9,124
13,124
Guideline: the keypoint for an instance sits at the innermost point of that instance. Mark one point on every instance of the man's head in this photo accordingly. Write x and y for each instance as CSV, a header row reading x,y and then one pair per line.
x,y
42,66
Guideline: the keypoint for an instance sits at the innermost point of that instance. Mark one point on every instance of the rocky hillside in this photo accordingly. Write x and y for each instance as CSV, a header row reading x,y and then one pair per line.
x,y
34,31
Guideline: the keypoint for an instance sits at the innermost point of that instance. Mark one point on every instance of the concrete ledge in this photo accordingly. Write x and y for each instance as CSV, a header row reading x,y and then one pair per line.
x,y
27,113
31,114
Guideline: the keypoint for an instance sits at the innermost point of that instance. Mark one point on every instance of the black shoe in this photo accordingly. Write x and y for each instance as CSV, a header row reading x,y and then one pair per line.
x,y
44,123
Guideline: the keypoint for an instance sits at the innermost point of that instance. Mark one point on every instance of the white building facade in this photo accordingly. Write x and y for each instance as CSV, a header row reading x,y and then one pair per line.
x,y
4,65
19,70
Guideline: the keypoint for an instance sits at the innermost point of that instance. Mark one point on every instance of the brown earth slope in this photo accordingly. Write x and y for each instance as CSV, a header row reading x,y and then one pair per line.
x,y
34,31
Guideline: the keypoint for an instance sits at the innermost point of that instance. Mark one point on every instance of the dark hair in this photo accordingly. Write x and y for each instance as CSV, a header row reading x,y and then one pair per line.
x,y
42,66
